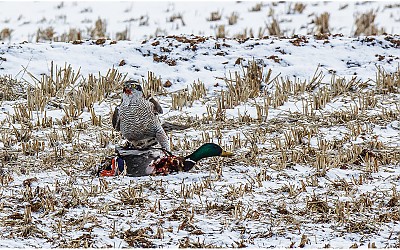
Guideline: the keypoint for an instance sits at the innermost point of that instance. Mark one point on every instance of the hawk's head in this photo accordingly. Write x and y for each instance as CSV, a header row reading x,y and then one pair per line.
x,y
132,87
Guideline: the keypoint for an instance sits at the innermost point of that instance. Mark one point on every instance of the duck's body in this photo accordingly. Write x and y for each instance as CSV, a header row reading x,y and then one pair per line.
x,y
157,161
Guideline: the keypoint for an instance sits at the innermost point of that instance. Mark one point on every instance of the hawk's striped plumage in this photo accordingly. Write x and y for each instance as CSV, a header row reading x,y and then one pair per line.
x,y
136,117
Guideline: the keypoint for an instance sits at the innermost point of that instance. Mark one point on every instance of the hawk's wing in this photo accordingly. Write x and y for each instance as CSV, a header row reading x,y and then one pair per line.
x,y
156,106
115,119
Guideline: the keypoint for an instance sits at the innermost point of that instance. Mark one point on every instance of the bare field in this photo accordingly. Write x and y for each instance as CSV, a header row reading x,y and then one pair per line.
x,y
305,94
316,162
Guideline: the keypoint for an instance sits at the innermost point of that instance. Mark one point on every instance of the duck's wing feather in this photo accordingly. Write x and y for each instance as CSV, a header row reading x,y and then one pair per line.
x,y
115,119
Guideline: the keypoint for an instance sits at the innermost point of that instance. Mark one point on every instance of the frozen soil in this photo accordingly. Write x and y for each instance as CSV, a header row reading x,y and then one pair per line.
x,y
316,143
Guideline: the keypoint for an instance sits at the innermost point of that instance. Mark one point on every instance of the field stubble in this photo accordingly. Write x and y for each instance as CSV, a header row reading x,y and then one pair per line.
x,y
278,184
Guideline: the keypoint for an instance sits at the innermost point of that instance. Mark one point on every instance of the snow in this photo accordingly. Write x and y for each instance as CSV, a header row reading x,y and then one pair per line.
x,y
155,15
248,199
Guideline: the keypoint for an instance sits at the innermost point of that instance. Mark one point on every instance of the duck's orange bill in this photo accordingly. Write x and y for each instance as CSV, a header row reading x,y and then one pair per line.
x,y
226,154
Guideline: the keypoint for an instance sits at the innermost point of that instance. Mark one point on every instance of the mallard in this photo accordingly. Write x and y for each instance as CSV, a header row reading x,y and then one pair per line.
x,y
156,161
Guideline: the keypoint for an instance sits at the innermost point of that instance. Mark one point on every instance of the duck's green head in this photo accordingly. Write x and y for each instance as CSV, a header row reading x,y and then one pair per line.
x,y
206,150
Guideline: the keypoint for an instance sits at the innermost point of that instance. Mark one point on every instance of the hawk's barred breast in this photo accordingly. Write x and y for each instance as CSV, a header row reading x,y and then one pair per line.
x,y
137,120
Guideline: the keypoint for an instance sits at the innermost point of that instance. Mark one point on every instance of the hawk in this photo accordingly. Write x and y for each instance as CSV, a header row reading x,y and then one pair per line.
x,y
137,118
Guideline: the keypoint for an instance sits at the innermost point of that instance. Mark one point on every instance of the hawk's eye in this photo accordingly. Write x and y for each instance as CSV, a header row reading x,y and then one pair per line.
x,y
138,87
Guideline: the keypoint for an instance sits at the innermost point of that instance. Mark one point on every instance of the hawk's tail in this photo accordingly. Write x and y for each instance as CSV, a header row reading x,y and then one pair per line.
x,y
167,126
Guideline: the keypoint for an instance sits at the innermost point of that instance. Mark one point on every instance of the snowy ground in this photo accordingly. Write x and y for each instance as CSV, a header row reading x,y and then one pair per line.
x,y
316,149
143,20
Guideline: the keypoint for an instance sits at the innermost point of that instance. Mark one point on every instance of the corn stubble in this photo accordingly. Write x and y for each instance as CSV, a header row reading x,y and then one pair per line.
x,y
270,146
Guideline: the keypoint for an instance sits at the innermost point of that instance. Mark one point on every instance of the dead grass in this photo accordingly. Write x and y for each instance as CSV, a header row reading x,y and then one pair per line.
x,y
147,212
214,16
256,7
387,82
296,8
220,32
241,88
186,97
175,17
99,29
46,34
5,33
11,89
273,28
365,24
249,33
322,24
153,85
98,32
122,35
233,18
72,35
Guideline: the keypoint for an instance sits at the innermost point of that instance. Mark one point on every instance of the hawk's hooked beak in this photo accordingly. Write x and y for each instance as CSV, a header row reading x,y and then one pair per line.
x,y
127,91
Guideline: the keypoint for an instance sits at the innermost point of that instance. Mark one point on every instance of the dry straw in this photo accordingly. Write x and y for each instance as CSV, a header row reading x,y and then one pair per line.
x,y
365,24
265,147
322,24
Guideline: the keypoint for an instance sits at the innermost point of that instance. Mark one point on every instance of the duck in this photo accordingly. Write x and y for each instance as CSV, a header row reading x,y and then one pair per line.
x,y
156,161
